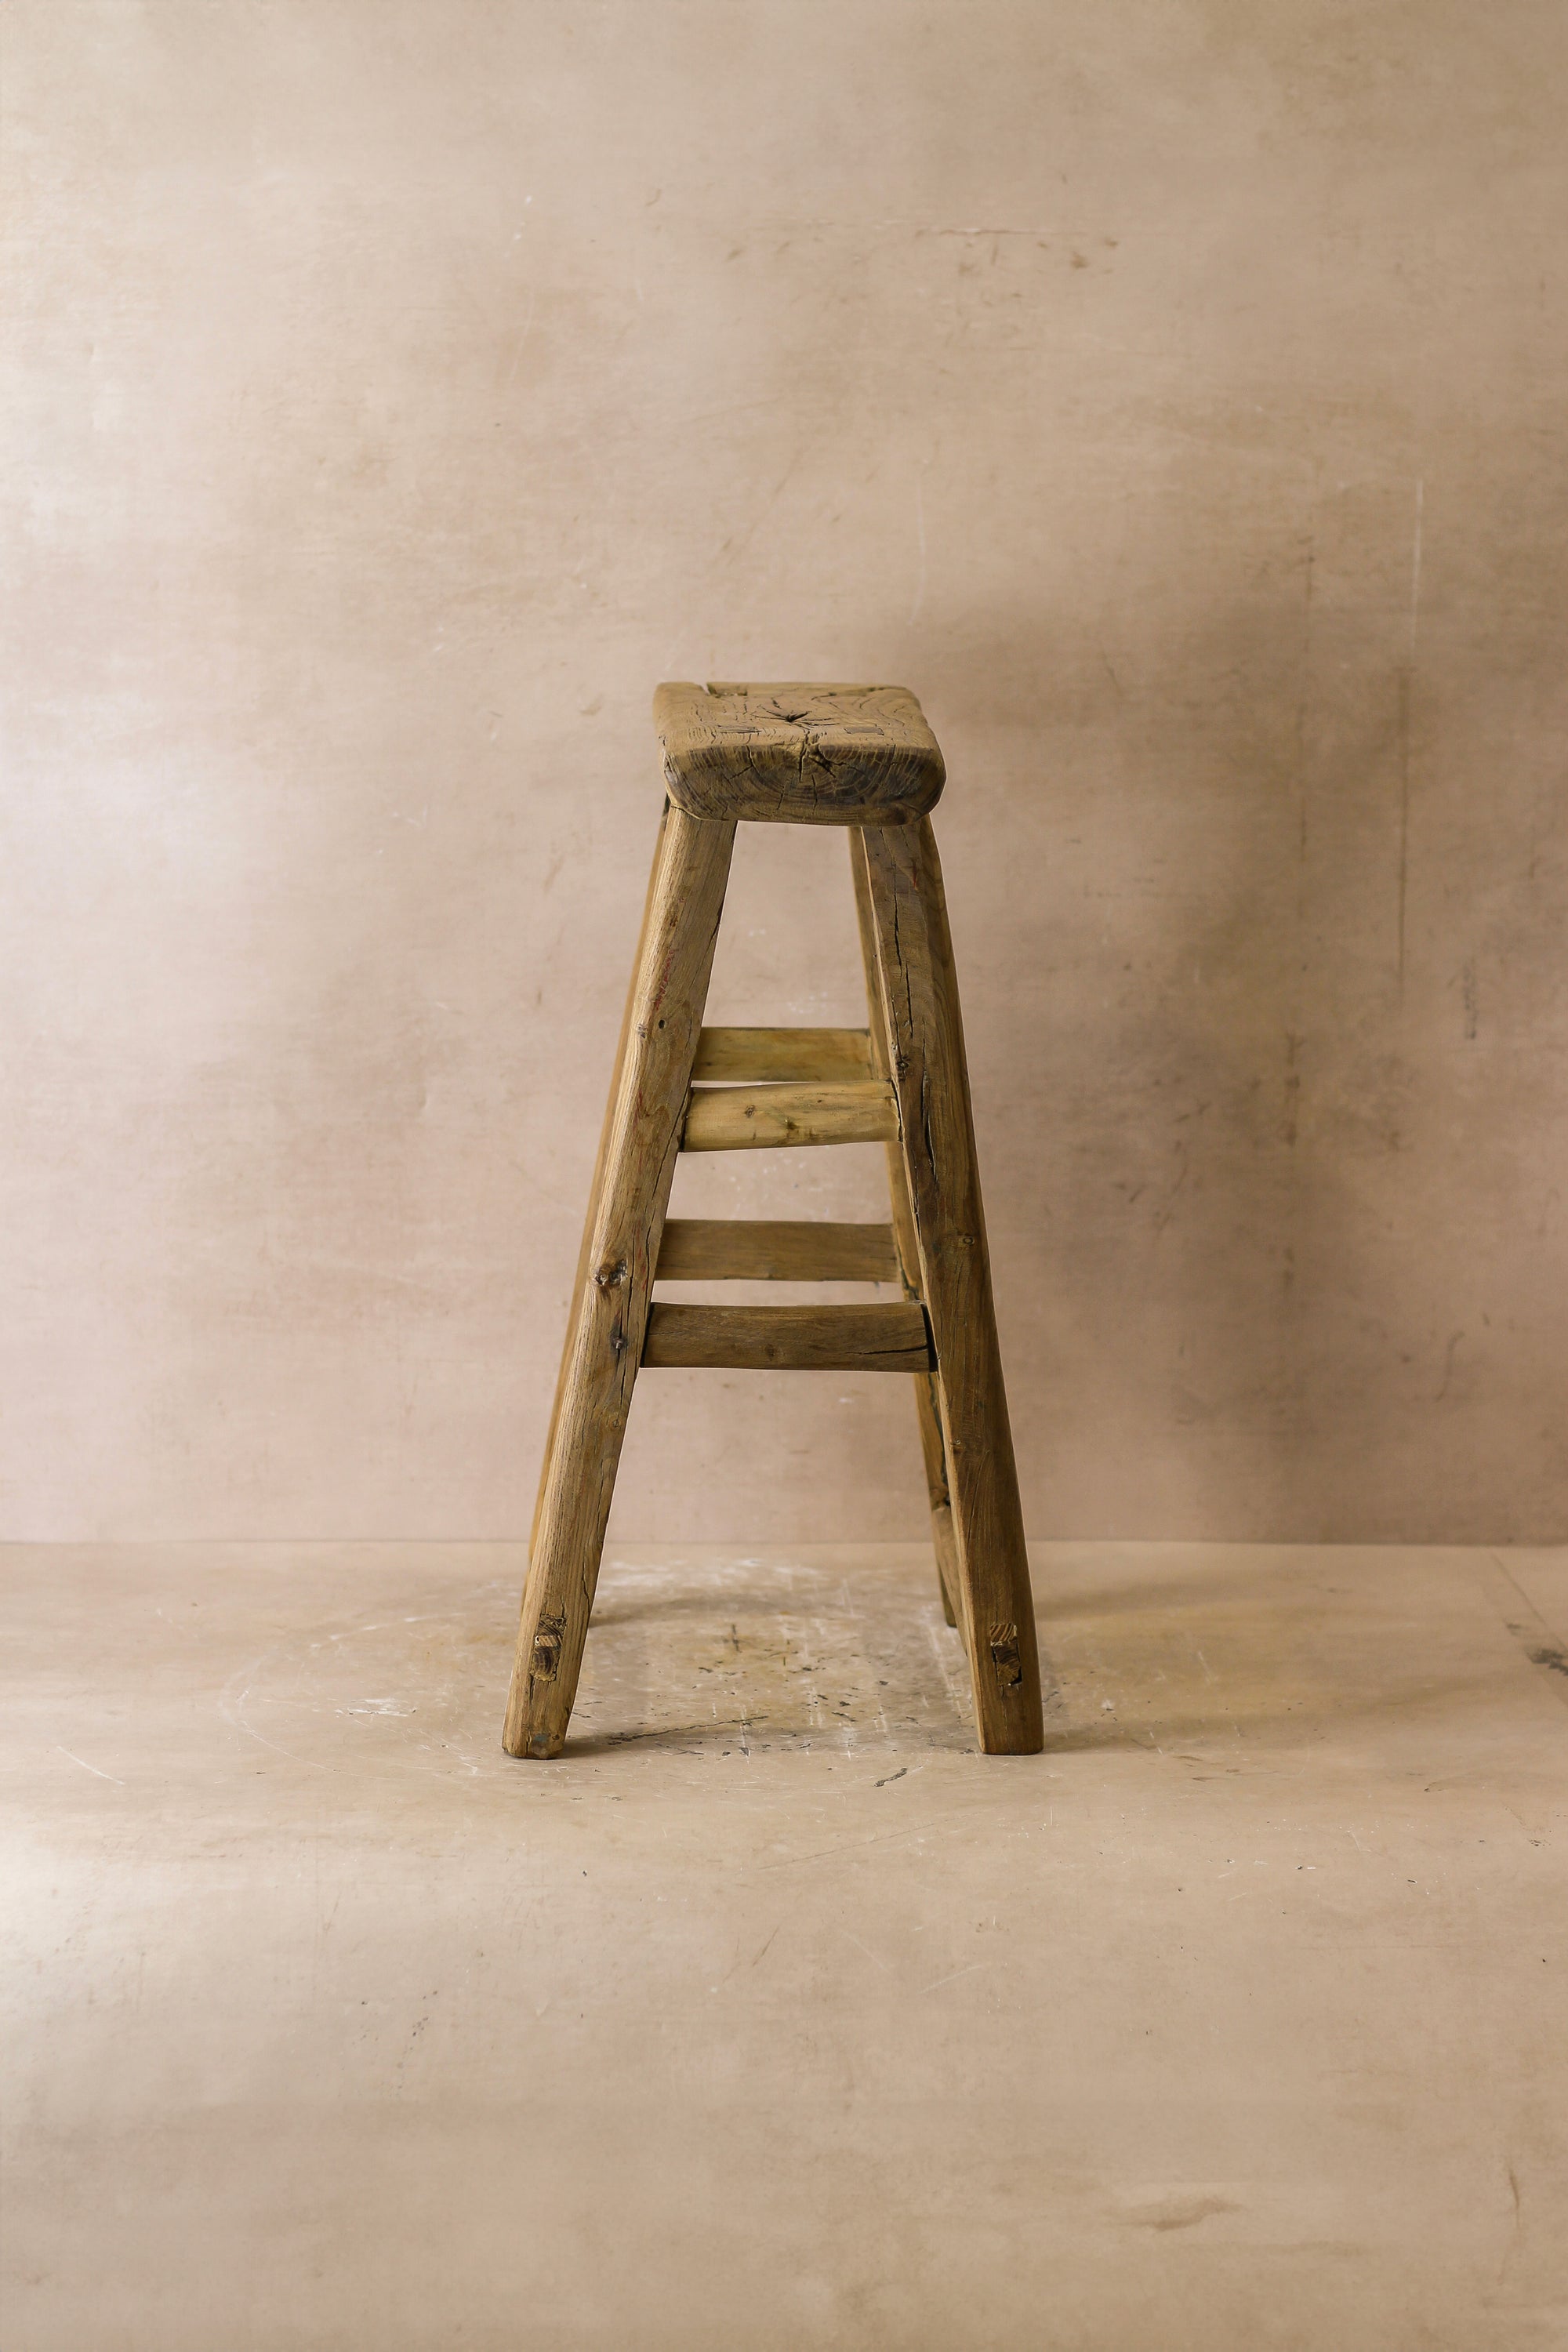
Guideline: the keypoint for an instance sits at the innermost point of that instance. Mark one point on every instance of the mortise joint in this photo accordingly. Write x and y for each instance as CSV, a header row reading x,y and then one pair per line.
x,y
547,1642
1003,1644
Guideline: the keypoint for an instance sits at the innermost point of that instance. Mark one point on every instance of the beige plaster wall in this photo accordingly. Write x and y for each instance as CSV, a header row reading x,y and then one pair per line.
x,y
1171,395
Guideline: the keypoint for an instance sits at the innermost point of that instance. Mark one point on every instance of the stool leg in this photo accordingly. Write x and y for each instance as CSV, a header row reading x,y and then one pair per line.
x,y
608,1314
927,1406
938,1495
925,1036
594,1189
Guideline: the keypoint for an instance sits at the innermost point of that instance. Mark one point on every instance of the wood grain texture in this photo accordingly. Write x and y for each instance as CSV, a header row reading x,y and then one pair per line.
x,y
747,1057
928,1403
761,1118
881,1339
609,1310
925,1038
798,754
758,1249
594,1190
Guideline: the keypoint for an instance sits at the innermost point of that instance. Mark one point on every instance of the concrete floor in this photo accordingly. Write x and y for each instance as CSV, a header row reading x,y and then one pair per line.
x,y
772,2015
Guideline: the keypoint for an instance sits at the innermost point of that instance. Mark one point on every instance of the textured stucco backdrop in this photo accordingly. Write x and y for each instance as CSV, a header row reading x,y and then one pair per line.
x,y
1171,395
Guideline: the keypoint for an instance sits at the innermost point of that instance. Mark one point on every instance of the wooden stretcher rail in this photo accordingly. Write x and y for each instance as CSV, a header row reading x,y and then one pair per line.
x,y
751,1118
747,1057
756,1249
892,1339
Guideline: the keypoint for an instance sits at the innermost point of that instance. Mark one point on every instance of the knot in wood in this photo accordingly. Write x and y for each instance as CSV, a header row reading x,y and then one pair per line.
x,y
611,1275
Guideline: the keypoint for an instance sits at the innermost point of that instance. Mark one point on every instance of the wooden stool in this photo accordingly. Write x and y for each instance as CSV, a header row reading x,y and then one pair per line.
x,y
861,756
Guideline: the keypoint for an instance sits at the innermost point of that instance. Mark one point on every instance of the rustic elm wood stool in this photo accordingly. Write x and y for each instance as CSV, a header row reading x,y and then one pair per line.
x,y
861,756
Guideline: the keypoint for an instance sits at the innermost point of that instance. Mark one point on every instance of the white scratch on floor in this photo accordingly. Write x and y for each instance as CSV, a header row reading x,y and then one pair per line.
x,y
89,1768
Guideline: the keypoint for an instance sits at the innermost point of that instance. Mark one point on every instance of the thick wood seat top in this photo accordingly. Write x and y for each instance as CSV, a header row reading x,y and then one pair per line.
x,y
796,754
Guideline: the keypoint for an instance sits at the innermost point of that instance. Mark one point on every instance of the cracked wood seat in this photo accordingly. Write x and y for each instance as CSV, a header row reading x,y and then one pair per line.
x,y
863,757
798,754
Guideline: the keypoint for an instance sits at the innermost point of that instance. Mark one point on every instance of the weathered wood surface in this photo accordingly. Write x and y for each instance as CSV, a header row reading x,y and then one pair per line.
x,y
881,1339
749,1057
928,1400
798,754
758,1119
759,1249
595,1188
609,1307
925,1037
944,1540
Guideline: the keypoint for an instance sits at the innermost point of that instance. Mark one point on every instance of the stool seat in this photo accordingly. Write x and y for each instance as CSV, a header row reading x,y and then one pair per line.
x,y
798,754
